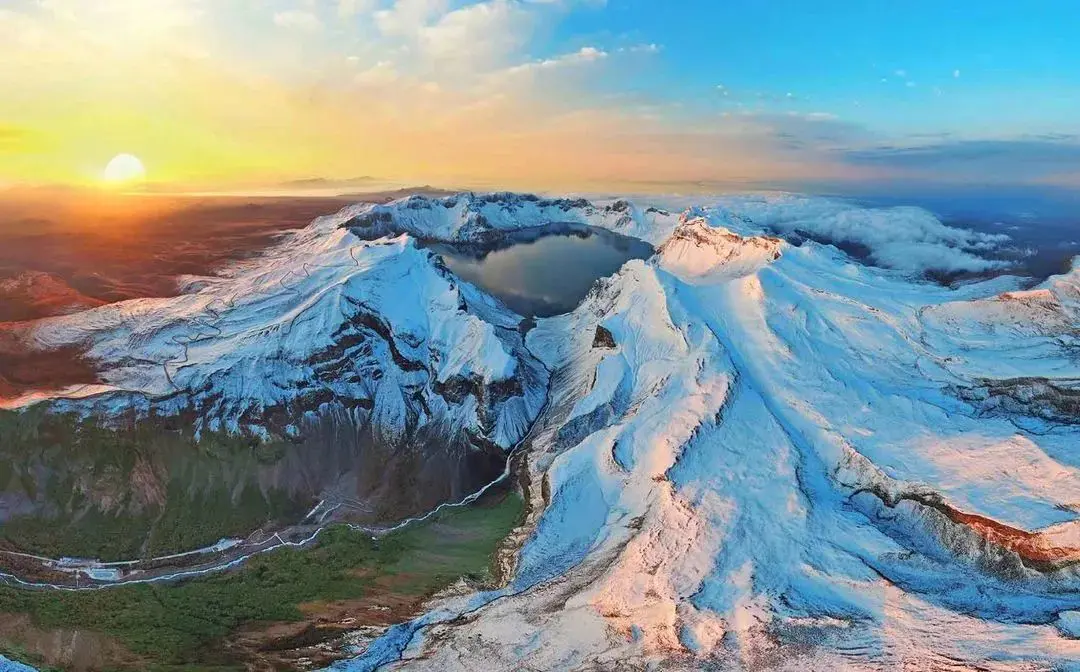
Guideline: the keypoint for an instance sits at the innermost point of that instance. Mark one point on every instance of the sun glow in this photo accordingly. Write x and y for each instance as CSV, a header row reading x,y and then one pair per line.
x,y
124,169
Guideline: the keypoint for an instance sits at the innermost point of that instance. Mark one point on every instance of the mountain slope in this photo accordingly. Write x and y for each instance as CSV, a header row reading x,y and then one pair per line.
x,y
776,465
383,384
743,452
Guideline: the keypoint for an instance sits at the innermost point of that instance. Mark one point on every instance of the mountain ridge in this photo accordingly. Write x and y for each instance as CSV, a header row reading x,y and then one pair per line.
x,y
733,448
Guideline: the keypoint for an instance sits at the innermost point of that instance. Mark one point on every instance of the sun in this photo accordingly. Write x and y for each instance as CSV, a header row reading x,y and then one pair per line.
x,y
124,169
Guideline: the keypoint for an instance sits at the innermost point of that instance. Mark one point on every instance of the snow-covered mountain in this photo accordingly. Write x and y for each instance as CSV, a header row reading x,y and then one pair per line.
x,y
486,218
326,318
750,454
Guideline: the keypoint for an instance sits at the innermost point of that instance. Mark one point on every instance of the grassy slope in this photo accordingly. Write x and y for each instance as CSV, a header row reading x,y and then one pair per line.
x,y
180,626
69,467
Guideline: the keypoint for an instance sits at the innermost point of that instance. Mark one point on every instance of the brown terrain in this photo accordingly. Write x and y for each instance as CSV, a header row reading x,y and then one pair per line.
x,y
69,253
24,369
1041,548
1047,549
92,650
317,639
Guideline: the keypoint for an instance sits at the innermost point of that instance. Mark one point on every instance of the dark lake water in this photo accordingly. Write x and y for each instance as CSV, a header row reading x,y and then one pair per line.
x,y
545,276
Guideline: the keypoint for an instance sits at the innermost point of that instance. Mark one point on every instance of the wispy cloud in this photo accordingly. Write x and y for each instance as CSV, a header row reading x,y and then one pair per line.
x,y
450,90
351,8
1024,159
298,19
649,48
480,36
584,55
407,17
382,73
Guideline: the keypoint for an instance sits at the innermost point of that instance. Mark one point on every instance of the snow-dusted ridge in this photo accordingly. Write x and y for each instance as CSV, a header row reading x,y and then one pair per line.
x,y
779,464
485,218
698,250
323,318
752,454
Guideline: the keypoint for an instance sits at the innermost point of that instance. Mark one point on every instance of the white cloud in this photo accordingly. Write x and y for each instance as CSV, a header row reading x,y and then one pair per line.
x,y
381,74
476,39
651,48
587,54
908,239
155,14
581,56
78,36
297,19
956,74
483,35
350,8
407,17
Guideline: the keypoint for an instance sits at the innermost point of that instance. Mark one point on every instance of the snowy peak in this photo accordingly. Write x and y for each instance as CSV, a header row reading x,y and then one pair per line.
x,y
698,250
322,318
485,218
744,450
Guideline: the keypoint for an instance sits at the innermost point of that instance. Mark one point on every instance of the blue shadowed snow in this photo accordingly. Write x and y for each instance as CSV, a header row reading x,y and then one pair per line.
x,y
569,528
383,650
7,665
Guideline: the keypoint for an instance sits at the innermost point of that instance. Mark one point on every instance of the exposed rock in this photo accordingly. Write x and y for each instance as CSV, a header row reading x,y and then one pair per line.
x,y
1053,400
603,338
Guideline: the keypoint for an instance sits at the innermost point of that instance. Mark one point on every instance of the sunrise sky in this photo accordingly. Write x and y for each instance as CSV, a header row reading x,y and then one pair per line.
x,y
558,94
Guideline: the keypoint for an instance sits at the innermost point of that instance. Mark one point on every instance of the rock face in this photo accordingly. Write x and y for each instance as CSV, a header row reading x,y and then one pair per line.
x,y
1048,400
742,454
603,338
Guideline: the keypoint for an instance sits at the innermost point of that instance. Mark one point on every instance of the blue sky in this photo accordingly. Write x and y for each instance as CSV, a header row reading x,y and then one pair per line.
x,y
545,93
995,66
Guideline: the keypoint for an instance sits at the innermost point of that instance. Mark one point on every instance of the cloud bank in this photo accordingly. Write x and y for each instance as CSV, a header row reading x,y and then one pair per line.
x,y
903,238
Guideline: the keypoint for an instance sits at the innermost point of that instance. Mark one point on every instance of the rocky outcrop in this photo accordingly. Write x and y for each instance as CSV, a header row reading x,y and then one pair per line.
x,y
603,338
1054,400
